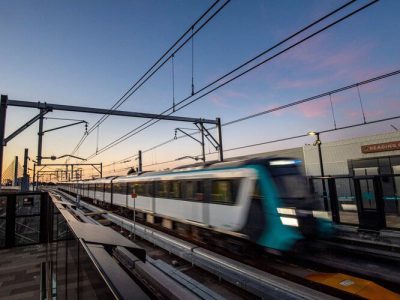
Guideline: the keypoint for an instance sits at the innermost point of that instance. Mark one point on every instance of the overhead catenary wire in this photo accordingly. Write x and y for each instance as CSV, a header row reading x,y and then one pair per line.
x,y
132,88
281,139
278,108
157,65
291,138
149,123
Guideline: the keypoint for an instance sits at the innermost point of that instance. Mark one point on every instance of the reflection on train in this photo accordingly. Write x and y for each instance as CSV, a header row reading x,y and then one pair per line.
x,y
263,200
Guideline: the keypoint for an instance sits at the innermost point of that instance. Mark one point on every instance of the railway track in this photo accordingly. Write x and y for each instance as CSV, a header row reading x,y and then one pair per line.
x,y
296,269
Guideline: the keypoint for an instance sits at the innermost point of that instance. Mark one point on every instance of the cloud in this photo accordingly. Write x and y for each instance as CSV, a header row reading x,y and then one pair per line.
x,y
314,109
354,115
224,98
374,114
219,101
302,83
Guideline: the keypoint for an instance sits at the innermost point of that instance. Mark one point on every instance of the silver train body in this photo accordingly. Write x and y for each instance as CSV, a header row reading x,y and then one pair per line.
x,y
249,199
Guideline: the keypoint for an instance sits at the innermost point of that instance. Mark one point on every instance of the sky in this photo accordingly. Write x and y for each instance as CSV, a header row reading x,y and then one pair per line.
x,y
89,53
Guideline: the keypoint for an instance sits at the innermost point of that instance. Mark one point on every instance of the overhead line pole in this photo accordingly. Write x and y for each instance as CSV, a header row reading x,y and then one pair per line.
x,y
3,114
22,128
15,171
92,110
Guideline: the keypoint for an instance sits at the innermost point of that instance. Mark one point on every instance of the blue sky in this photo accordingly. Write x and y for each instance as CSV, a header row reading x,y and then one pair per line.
x,y
89,53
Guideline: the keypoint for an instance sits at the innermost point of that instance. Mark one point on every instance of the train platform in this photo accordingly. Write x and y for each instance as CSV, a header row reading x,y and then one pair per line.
x,y
384,239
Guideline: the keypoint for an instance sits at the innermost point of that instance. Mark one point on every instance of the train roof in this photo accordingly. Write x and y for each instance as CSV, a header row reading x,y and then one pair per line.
x,y
273,161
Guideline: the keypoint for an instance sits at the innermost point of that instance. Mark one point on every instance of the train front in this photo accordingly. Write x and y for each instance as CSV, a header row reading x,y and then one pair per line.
x,y
293,214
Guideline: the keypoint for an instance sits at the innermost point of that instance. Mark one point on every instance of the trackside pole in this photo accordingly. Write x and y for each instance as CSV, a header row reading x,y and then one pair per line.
x,y
15,171
220,148
3,113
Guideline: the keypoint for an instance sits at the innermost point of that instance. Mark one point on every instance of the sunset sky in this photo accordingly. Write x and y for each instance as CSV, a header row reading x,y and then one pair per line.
x,y
89,53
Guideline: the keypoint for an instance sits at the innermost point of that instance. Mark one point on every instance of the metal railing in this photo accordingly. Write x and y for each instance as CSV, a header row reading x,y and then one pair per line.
x,y
27,219
359,200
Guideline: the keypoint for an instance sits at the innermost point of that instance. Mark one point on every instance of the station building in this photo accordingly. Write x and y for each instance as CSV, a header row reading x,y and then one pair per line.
x,y
369,155
366,175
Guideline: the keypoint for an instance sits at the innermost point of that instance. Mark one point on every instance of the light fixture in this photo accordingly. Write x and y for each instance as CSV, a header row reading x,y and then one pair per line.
x,y
289,221
283,162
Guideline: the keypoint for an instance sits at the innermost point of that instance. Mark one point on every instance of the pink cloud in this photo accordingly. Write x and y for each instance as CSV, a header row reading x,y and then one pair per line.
x,y
374,114
219,101
302,83
353,114
314,109
234,94
224,98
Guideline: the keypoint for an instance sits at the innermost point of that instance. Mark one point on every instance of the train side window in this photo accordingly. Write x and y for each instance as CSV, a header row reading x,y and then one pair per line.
x,y
223,191
119,188
131,187
107,188
149,189
198,190
162,189
175,189
99,188
116,188
140,188
188,190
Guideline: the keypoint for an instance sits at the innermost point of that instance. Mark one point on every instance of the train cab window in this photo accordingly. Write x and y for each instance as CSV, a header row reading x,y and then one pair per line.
x,y
291,185
175,189
162,189
222,191
257,190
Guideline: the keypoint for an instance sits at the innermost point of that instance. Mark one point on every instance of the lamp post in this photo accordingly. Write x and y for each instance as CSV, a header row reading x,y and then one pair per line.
x,y
321,165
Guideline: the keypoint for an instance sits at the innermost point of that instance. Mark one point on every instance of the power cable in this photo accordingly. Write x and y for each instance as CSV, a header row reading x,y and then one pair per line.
x,y
134,87
275,109
136,131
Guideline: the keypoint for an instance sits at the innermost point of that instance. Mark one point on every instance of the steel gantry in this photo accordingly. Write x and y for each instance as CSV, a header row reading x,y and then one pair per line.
x,y
45,107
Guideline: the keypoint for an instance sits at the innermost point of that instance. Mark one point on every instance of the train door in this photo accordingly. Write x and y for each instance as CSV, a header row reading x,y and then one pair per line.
x,y
369,198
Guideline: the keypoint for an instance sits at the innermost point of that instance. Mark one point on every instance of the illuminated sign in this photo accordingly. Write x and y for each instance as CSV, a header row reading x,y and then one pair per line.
x,y
390,146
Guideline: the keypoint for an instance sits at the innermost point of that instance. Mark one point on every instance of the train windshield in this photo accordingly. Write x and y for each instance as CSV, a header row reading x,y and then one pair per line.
x,y
291,185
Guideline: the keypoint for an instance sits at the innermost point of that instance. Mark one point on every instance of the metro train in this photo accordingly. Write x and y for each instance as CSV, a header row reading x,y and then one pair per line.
x,y
263,200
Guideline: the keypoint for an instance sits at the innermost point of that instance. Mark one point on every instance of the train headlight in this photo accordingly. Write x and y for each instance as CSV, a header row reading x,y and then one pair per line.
x,y
286,211
290,221
321,214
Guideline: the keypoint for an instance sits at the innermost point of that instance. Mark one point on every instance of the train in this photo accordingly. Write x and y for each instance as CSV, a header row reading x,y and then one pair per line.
x,y
262,200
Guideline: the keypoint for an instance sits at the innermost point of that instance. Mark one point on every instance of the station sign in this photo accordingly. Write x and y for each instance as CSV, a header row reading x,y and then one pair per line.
x,y
382,147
